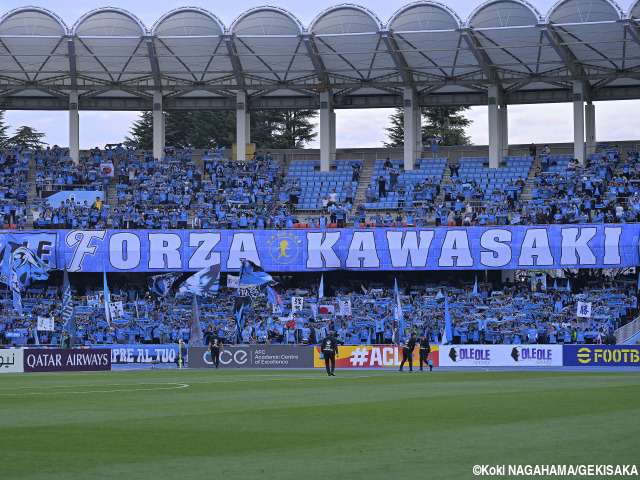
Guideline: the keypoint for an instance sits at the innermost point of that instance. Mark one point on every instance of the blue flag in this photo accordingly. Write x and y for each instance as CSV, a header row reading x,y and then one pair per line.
x,y
272,297
107,300
447,336
204,283
568,286
475,287
68,317
161,284
398,315
321,287
195,335
20,265
240,324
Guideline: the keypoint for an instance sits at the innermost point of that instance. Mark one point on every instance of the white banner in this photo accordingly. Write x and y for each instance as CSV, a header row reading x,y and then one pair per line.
x,y
11,360
93,300
296,304
345,308
116,310
584,309
277,309
233,281
45,324
500,355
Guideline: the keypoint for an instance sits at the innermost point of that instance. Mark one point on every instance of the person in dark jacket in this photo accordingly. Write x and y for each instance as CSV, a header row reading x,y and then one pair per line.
x,y
330,351
407,351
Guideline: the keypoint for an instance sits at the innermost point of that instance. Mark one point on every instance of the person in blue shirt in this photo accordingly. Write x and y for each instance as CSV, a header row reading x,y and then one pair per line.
x,y
532,333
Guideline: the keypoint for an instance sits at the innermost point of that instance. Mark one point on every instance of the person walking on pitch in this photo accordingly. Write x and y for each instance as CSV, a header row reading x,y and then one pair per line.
x,y
330,352
407,351
425,350
215,347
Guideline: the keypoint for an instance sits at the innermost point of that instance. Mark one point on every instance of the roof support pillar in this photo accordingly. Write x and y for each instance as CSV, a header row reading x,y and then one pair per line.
x,y
578,121
327,132
247,126
590,125
158,126
504,131
412,127
74,127
242,126
495,130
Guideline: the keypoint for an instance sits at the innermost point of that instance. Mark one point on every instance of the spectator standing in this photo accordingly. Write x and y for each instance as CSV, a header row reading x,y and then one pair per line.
x,y
382,187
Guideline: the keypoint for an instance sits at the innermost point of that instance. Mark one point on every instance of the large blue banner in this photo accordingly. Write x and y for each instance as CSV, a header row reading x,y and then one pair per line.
x,y
472,248
601,355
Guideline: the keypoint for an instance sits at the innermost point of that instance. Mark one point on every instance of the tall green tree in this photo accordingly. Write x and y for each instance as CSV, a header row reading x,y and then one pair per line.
x,y
4,136
142,131
295,129
27,137
448,123
207,129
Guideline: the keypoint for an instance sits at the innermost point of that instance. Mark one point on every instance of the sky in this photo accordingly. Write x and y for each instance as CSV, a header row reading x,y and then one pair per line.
x,y
551,123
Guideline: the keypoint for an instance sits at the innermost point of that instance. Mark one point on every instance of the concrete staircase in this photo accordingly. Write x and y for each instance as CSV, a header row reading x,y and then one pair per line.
x,y
627,331
528,183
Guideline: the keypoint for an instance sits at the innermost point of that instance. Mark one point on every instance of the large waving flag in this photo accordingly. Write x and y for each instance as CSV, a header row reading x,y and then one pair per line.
x,y
68,317
272,297
398,315
447,335
240,324
204,283
107,299
253,281
161,284
20,266
195,336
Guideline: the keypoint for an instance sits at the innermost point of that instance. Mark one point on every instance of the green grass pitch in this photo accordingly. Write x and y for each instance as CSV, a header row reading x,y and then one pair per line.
x,y
196,424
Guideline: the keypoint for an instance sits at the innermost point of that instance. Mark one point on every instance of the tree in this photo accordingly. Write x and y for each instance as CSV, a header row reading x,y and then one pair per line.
x,y
295,129
448,123
396,130
282,128
27,137
208,129
3,130
142,131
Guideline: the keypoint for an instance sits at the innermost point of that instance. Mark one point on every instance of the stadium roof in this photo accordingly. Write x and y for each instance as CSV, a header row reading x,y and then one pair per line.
x,y
114,61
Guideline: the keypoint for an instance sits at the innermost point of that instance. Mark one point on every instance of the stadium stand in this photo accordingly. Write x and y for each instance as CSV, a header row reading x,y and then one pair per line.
x,y
183,190
502,314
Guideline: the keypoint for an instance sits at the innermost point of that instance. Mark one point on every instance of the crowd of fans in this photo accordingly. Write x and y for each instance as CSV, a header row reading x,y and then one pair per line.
x,y
176,192
524,312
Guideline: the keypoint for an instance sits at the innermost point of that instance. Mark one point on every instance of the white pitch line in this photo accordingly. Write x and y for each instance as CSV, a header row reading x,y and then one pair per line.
x,y
260,378
178,385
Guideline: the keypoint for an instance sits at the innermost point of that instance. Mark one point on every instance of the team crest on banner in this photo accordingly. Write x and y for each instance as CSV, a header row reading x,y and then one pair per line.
x,y
284,247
